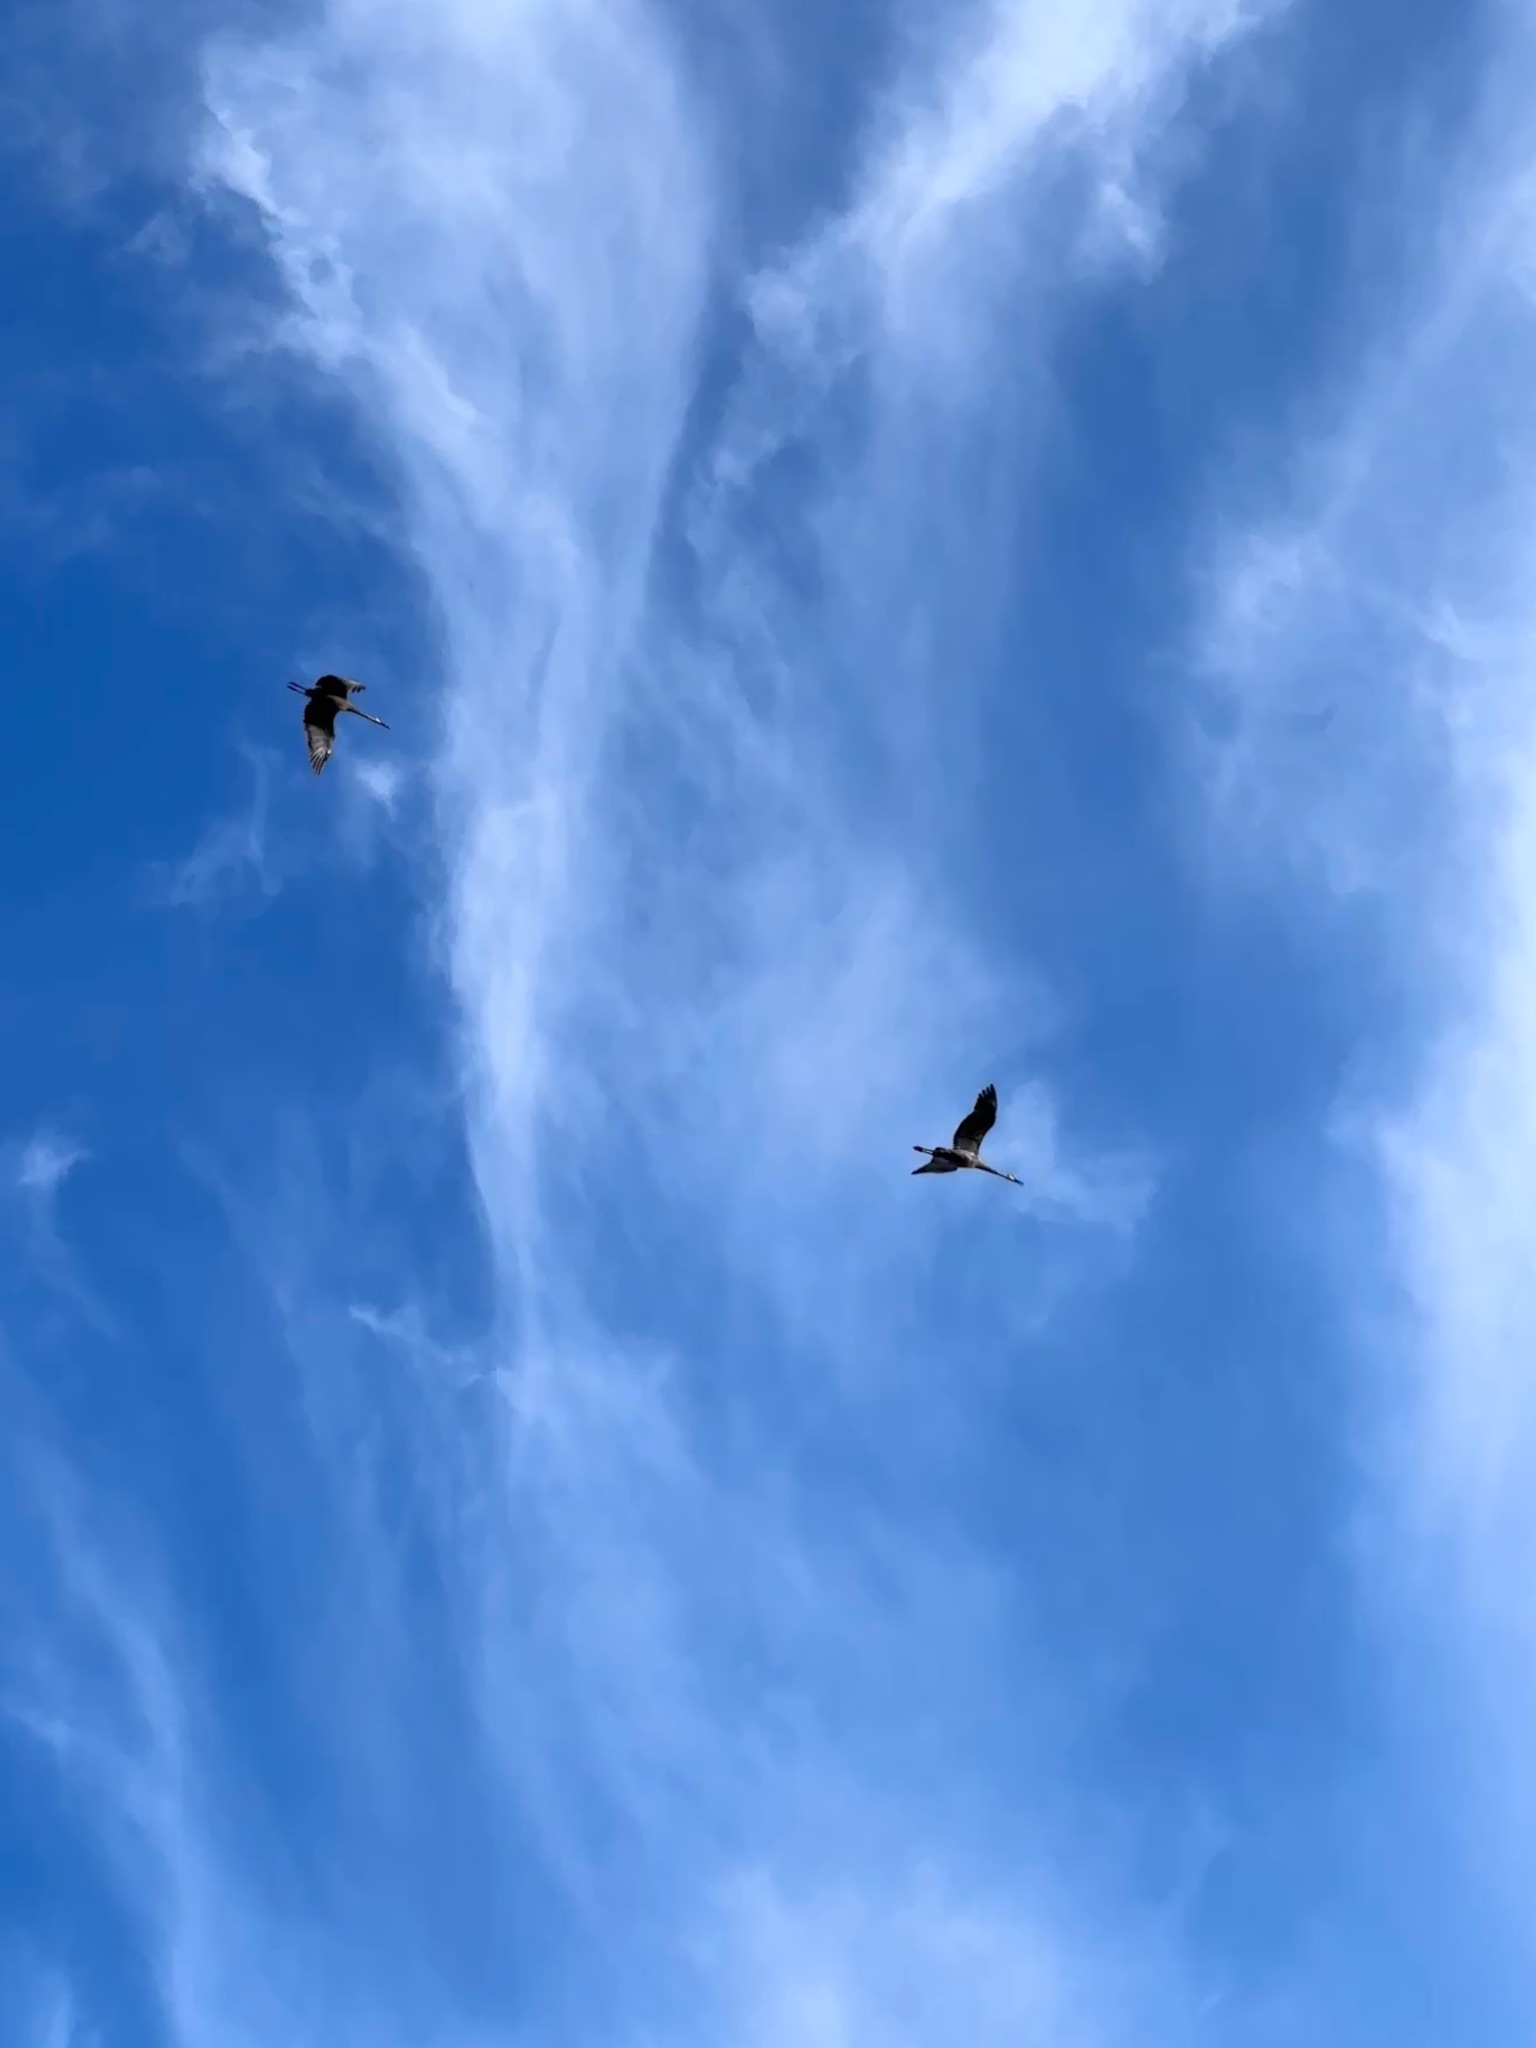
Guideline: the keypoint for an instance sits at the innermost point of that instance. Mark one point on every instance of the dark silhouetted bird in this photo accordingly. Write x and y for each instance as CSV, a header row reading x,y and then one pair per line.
x,y
965,1147
325,697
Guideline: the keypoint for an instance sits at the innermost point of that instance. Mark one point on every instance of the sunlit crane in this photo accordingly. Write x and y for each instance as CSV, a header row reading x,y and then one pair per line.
x,y
965,1147
326,696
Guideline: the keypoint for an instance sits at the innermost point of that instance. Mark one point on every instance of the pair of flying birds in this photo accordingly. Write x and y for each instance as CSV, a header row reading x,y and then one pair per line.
x,y
329,696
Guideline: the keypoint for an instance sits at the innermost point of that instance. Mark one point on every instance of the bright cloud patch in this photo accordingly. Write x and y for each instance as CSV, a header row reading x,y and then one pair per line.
x,y
45,1161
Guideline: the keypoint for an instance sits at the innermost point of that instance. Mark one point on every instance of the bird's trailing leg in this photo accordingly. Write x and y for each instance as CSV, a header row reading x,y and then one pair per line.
x,y
364,714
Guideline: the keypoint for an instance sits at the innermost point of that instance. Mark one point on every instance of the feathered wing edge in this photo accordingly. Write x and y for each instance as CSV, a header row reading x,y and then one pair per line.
x,y
974,1126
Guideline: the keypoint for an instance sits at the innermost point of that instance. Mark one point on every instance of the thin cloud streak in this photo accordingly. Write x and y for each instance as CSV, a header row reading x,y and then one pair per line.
x,y
231,861
38,1168
91,1684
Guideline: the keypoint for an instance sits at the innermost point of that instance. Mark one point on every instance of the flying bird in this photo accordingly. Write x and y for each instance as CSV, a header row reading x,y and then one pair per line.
x,y
965,1147
324,698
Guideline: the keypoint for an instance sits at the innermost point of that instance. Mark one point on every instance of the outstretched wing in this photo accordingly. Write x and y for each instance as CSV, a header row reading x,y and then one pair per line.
x,y
971,1129
320,730
338,687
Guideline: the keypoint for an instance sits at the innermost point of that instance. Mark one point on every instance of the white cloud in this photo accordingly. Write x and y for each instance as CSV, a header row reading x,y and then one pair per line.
x,y
1012,87
37,1167
90,1680
381,782
231,860
1396,581
46,1161
703,970
529,332
43,2008
861,1971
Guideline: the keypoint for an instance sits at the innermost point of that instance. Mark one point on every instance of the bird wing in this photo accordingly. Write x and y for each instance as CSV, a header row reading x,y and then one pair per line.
x,y
971,1129
320,730
339,687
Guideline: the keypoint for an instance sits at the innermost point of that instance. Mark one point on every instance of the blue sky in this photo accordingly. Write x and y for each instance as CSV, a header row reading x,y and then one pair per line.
x,y
899,546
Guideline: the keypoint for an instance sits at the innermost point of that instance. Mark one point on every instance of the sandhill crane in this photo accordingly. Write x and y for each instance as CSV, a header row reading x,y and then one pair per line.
x,y
965,1147
325,697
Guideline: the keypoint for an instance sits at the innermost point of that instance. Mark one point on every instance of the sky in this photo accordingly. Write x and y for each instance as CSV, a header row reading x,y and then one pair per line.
x,y
901,544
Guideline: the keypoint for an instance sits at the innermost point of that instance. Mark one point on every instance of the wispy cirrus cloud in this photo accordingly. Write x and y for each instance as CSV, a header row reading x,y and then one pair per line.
x,y
716,976
716,1642
1393,579
243,860
231,861
45,2006
45,1161
111,1702
38,1168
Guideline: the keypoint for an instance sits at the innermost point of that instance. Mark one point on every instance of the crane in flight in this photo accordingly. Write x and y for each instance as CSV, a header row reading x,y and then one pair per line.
x,y
325,697
964,1149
